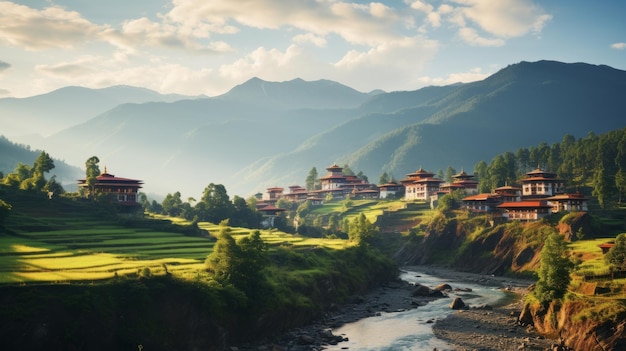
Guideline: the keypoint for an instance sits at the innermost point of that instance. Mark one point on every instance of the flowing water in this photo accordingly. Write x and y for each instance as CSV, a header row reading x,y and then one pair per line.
x,y
412,329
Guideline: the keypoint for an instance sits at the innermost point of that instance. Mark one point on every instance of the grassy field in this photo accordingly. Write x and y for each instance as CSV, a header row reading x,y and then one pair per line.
x,y
102,251
63,241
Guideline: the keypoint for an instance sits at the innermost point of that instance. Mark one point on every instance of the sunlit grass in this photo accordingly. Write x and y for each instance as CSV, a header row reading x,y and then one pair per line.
x,y
589,252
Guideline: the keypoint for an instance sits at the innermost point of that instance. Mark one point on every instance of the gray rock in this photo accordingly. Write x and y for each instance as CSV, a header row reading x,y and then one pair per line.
x,y
457,304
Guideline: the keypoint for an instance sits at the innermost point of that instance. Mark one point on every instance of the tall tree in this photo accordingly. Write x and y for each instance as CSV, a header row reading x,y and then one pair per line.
x,y
554,269
347,171
243,215
523,161
92,170
43,163
362,231
240,264
439,174
312,180
449,173
217,203
481,171
620,163
383,179
603,185
172,204
362,176
616,257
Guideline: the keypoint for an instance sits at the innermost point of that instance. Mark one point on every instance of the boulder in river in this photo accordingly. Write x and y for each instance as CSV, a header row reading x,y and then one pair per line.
x,y
421,290
457,304
444,287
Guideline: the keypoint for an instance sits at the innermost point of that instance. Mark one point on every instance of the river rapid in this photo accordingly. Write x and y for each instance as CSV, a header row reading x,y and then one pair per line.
x,y
412,329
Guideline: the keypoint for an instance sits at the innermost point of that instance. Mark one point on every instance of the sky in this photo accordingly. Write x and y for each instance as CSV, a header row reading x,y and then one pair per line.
x,y
206,47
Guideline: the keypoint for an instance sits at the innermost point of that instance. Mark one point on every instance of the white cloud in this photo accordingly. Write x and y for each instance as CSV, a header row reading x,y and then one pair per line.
x,y
143,32
499,20
475,74
390,66
271,64
55,27
52,27
98,72
618,46
470,36
356,23
310,38
69,70
504,18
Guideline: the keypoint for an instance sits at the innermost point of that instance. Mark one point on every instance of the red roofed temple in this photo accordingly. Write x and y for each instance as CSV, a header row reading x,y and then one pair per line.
x,y
124,189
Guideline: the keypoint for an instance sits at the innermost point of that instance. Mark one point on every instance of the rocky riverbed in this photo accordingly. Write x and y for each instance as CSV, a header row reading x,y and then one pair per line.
x,y
470,328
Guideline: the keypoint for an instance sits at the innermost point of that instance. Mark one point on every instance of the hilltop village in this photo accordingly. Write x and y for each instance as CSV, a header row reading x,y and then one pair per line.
x,y
540,193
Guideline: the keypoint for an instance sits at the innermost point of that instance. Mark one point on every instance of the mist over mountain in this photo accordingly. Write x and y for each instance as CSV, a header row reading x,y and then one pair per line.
x,y
262,134
46,114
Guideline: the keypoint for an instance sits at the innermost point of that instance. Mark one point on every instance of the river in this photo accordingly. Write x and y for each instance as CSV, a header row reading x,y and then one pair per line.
x,y
412,329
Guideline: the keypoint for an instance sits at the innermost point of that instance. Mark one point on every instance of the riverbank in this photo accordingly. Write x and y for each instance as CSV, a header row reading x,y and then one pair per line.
x,y
495,328
476,328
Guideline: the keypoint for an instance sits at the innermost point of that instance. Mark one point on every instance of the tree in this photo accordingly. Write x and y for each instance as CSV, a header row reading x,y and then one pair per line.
x,y
43,163
362,176
333,223
20,174
554,269
312,181
449,173
362,231
347,171
92,170
480,170
172,204
243,215
253,258
384,178
616,257
217,204
223,261
239,263
53,186
603,185
439,174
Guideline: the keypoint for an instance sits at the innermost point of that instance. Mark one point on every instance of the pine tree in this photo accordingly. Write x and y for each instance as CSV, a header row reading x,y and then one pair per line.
x,y
554,269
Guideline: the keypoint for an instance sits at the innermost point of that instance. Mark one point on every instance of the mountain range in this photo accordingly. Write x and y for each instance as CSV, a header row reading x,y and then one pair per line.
x,y
262,134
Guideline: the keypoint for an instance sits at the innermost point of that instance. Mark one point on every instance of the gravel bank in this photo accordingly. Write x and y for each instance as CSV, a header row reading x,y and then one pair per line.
x,y
486,329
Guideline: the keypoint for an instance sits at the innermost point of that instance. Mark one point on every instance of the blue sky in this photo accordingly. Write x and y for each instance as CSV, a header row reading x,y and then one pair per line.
x,y
206,47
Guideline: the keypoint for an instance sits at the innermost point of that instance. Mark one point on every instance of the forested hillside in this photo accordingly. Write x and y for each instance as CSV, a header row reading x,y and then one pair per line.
x,y
595,164
12,154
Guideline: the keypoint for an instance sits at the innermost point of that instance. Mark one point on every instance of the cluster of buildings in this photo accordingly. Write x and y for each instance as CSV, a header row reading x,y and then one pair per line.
x,y
540,194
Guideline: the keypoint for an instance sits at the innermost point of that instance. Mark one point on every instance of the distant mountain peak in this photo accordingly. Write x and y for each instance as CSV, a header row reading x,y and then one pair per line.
x,y
296,94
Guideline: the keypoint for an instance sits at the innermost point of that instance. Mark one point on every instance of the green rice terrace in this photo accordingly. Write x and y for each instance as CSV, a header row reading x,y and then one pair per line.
x,y
60,240
75,247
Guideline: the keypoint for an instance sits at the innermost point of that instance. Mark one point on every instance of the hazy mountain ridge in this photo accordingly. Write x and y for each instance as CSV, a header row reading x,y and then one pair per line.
x,y
519,106
262,134
49,113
